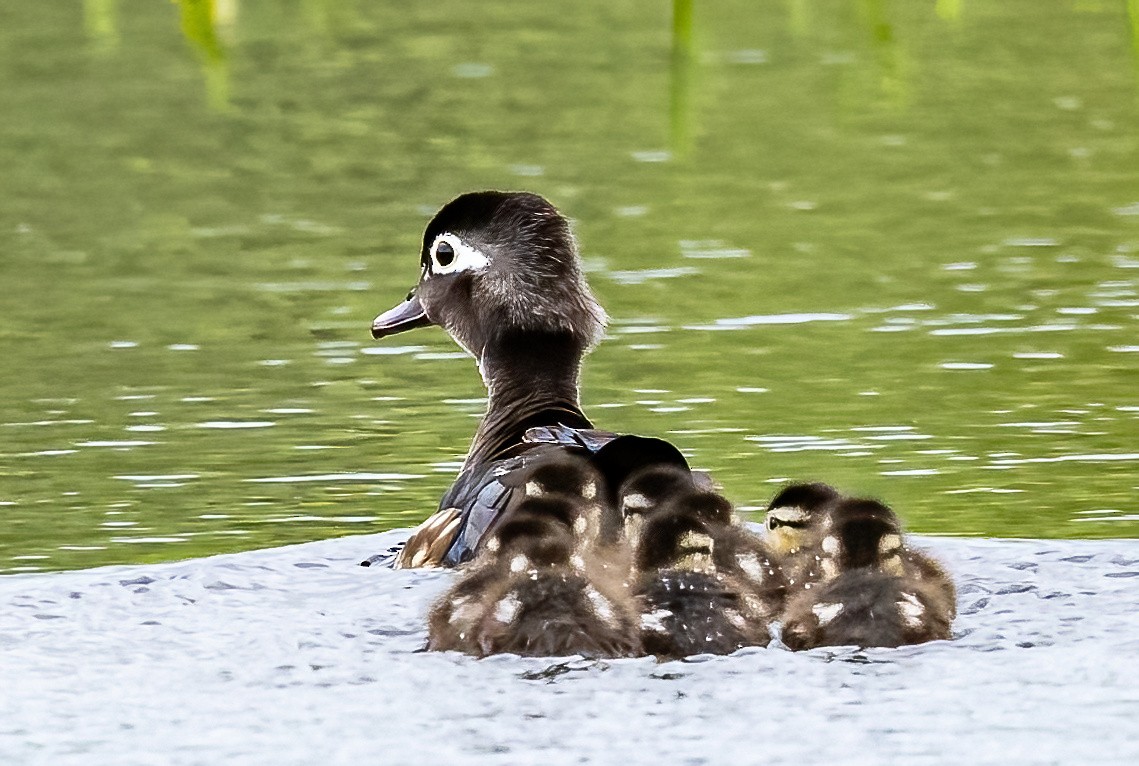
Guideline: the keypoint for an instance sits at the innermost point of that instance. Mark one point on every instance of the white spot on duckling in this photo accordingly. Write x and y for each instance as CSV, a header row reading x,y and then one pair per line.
x,y
601,606
830,545
463,610
826,612
830,569
654,620
589,490
751,565
698,556
785,514
635,501
580,524
534,489
911,610
492,545
699,540
507,609
519,563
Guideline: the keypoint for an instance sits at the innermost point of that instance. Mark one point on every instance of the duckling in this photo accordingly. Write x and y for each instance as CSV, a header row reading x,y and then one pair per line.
x,y
529,592
556,474
647,490
500,273
854,581
705,584
790,513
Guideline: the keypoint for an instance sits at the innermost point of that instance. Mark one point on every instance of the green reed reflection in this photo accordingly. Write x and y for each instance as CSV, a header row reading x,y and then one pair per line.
x,y
1133,15
201,20
889,53
100,18
682,71
949,10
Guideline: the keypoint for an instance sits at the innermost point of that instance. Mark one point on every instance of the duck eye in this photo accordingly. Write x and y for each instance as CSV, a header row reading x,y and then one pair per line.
x,y
449,255
444,254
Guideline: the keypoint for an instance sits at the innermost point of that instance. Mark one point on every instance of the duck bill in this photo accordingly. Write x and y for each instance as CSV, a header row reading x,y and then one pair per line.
x,y
406,316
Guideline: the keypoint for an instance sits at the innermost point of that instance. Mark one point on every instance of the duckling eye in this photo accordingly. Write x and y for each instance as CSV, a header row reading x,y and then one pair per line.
x,y
444,254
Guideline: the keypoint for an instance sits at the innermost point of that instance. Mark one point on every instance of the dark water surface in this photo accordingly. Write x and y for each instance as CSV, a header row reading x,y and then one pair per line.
x,y
891,245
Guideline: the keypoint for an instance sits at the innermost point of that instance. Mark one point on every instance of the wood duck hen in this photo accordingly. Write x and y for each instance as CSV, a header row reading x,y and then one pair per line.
x,y
500,273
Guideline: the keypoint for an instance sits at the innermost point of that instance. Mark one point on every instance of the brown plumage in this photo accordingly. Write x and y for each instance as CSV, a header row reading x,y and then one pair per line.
x,y
429,542
852,579
541,584
706,585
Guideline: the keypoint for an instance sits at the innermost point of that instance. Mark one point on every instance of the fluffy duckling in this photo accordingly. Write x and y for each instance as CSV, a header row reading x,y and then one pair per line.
x,y
790,514
530,598
854,582
540,584
705,584
646,491
559,475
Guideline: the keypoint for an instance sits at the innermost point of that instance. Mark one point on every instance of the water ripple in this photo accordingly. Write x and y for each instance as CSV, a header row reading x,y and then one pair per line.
x,y
332,477
738,323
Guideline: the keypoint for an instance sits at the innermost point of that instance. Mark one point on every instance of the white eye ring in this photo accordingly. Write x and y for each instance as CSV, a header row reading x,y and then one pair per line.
x,y
463,257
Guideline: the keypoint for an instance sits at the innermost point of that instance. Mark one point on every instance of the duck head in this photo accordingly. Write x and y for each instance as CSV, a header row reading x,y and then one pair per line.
x,y
495,264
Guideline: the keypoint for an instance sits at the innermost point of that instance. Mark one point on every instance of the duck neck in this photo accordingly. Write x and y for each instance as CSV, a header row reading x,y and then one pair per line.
x,y
532,380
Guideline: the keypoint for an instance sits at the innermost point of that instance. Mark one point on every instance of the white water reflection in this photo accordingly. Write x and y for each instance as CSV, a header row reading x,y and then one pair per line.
x,y
966,366
1107,457
159,477
236,424
336,477
737,323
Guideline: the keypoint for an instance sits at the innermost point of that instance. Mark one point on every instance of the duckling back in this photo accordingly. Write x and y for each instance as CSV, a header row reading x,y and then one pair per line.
x,y
558,612
695,596
542,584
860,585
866,607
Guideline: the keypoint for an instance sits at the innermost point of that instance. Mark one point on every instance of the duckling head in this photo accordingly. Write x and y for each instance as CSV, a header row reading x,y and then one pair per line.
x,y
674,539
494,263
794,512
863,533
647,490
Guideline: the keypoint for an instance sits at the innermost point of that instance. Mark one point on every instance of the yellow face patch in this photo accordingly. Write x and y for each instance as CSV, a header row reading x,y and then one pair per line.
x,y
784,529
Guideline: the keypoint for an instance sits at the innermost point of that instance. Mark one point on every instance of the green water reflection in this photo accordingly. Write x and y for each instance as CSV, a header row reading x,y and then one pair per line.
x,y
890,245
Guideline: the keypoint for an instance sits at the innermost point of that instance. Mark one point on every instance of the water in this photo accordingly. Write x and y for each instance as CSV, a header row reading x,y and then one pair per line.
x,y
296,655
889,245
